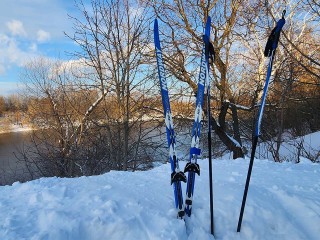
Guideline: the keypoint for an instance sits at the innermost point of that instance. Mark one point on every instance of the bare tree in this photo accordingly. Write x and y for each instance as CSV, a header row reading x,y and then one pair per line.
x,y
2,105
295,67
90,111
184,21
314,6
113,38
240,31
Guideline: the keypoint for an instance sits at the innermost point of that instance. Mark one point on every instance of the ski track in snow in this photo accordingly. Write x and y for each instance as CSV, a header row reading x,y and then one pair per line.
x,y
283,203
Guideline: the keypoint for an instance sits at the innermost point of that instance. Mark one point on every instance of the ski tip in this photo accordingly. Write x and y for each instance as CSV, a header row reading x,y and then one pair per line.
x,y
156,32
155,23
208,26
208,23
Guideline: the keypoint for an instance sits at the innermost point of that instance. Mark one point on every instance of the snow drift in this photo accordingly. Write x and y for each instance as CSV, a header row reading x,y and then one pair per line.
x,y
283,203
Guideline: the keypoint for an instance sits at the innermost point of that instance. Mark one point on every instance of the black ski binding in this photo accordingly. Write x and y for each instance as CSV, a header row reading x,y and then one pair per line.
x,y
188,201
181,214
178,176
192,167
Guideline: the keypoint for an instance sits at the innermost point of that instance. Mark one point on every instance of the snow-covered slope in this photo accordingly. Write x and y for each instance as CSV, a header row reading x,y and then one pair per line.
x,y
283,203
292,149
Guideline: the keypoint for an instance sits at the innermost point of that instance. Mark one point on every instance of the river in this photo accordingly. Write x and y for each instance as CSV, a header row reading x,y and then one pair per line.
x,y
11,170
12,143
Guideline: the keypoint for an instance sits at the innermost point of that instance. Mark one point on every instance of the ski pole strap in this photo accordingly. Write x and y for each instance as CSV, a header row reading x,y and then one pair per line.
x,y
195,151
273,39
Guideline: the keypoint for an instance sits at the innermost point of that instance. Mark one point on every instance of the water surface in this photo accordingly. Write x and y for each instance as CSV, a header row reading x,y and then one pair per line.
x,y
11,169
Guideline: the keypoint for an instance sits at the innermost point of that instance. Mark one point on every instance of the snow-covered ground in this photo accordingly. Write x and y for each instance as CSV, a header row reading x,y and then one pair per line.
x,y
283,203
292,149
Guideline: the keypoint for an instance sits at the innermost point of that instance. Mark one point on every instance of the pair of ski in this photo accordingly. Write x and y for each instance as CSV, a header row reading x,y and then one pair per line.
x,y
192,167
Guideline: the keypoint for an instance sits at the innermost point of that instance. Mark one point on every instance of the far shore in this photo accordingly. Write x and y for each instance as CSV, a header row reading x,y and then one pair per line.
x,y
15,128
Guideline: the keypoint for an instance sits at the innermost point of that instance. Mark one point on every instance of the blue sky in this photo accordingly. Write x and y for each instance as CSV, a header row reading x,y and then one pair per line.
x,y
31,28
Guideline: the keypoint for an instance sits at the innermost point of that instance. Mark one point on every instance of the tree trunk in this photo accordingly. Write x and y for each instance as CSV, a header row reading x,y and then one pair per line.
x,y
227,141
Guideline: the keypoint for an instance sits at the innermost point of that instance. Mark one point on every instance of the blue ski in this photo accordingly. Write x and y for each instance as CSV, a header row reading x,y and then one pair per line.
x,y
176,175
192,167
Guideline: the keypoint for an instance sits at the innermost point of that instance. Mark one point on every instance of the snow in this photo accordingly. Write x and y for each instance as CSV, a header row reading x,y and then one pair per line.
x,y
235,142
294,149
16,128
309,144
283,203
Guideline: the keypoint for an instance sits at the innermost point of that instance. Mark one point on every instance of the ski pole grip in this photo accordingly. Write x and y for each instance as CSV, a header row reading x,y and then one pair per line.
x,y
279,27
280,24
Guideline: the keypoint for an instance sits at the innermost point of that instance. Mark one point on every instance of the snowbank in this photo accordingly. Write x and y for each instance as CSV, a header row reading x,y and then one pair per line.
x,y
283,203
292,149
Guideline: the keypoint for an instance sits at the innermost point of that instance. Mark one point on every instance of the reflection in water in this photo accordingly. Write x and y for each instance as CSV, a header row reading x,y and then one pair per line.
x,y
11,169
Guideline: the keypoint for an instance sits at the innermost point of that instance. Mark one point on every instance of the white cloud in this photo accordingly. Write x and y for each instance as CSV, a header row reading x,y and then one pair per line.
x,y
33,47
43,36
38,14
12,53
16,28
136,11
31,23
2,69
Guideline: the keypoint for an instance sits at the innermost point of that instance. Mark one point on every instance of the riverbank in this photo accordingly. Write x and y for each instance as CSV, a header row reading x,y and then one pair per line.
x,y
14,122
15,128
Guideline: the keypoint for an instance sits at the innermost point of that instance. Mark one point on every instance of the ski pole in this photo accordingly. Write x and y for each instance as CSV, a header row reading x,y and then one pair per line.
x,y
209,51
270,49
